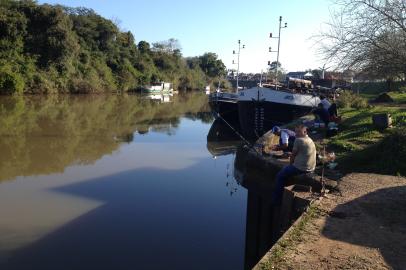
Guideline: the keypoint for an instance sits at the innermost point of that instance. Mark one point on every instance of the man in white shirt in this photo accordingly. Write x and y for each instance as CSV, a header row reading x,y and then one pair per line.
x,y
331,108
325,102
286,141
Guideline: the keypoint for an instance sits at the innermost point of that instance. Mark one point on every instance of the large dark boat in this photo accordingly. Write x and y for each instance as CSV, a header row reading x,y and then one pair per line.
x,y
260,108
224,104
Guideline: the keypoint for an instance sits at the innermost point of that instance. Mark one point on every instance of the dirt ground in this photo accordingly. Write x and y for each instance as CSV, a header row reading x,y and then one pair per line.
x,y
364,227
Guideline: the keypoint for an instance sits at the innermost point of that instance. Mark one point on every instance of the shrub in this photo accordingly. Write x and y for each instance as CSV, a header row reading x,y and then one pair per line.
x,y
41,84
10,82
349,99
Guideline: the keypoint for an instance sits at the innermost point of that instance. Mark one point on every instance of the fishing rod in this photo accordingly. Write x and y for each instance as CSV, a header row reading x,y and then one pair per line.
x,y
233,129
251,146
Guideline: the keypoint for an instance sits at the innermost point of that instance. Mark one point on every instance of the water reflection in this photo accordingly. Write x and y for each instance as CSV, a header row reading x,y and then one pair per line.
x,y
137,189
159,97
42,135
263,226
263,219
123,182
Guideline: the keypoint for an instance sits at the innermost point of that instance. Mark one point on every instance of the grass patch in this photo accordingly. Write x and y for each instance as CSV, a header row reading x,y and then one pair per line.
x,y
360,147
399,97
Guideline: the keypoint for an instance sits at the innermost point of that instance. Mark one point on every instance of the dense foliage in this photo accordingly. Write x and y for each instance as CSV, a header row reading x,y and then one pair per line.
x,y
46,48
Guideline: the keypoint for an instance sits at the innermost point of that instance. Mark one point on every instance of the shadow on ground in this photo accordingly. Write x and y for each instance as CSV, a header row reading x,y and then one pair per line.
x,y
376,220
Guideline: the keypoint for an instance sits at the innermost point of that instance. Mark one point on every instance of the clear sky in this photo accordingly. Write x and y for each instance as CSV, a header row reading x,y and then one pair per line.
x,y
216,26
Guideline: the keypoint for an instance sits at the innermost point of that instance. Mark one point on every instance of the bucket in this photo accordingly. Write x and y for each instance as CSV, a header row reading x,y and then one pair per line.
x,y
382,120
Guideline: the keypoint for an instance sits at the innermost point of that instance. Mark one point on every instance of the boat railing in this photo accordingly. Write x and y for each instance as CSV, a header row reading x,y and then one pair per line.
x,y
310,90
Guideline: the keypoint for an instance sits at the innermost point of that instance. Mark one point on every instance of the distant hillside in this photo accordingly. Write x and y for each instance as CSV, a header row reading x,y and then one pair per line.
x,y
50,49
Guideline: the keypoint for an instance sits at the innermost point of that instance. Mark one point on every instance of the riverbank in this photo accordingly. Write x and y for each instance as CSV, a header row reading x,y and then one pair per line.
x,y
360,147
360,228
361,225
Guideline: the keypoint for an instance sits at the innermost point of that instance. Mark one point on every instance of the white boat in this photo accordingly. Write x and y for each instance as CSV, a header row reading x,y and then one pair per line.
x,y
158,87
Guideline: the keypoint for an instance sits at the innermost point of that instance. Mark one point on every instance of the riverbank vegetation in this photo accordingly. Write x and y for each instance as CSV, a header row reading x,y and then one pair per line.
x,y
368,37
45,134
58,49
361,147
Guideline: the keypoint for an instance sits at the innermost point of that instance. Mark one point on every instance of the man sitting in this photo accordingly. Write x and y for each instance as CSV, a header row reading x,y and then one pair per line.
x,y
302,160
286,141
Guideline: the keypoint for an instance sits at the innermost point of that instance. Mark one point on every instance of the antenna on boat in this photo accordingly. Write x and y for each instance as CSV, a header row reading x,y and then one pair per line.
x,y
277,52
238,59
260,80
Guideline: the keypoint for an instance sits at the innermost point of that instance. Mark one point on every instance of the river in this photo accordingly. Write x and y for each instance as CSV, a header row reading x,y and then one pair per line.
x,y
119,182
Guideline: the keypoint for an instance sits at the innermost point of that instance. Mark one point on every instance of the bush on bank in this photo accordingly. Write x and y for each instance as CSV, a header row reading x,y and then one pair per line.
x,y
53,48
10,82
348,99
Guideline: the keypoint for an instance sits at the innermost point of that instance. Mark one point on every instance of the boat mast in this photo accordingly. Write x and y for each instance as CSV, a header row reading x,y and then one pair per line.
x,y
260,80
277,52
238,60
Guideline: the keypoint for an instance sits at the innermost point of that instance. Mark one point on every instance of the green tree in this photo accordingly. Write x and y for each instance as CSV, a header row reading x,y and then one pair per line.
x,y
212,66
52,48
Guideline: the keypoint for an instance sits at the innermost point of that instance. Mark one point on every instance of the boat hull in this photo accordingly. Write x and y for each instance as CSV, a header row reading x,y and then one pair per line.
x,y
225,105
260,109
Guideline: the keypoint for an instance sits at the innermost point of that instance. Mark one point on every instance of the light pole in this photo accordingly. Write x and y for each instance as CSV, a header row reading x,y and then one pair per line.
x,y
238,59
277,52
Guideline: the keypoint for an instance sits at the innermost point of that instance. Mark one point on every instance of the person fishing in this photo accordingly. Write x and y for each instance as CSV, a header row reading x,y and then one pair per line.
x,y
331,108
302,160
286,140
322,114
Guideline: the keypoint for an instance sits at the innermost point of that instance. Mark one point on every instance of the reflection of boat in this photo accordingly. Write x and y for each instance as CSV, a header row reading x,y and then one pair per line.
x,y
207,90
220,131
158,87
223,148
159,97
225,105
260,108
221,139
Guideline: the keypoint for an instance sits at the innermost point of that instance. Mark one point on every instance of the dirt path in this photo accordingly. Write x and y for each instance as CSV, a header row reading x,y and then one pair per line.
x,y
365,228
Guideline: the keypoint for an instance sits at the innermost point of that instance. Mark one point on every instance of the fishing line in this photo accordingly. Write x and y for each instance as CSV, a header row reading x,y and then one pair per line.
x,y
233,129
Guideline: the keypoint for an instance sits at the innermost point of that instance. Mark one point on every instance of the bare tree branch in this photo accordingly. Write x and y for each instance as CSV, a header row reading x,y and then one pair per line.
x,y
368,36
